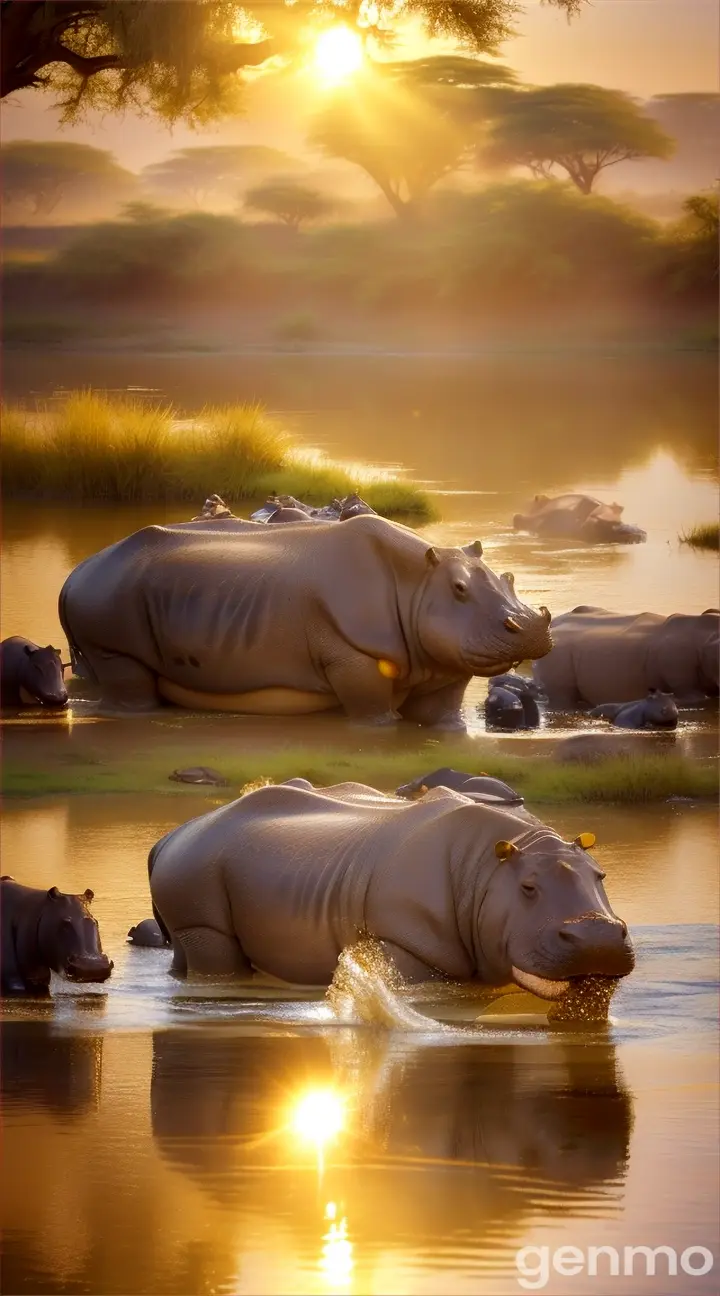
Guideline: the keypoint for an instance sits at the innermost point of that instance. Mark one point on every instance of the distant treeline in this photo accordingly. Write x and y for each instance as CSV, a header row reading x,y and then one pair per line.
x,y
519,251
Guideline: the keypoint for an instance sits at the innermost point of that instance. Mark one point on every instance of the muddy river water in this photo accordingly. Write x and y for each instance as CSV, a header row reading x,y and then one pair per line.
x,y
187,1138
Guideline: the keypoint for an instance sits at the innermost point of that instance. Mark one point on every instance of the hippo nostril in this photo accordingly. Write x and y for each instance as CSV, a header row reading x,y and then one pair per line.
x,y
512,625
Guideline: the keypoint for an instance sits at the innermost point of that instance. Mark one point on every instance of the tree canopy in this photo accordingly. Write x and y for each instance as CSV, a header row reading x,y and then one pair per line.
x,y
40,175
396,136
289,202
215,169
580,129
180,58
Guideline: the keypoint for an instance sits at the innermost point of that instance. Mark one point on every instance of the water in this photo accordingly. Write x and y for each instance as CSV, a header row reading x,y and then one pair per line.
x,y
486,434
171,1137
191,1137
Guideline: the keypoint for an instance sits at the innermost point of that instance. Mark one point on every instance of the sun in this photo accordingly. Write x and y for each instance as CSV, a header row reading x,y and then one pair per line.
x,y
338,54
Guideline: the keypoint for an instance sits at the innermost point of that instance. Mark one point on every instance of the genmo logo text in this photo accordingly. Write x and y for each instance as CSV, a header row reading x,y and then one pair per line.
x,y
535,1264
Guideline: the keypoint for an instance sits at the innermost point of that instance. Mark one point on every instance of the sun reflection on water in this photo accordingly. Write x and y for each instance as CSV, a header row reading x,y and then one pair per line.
x,y
319,1116
336,1259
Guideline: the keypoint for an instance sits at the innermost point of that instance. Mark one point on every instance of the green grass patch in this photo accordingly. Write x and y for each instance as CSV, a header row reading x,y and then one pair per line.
x,y
637,780
706,536
95,448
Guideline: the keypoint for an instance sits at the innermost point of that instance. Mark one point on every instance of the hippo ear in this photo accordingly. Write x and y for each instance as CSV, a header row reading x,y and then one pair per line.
x,y
27,650
586,840
508,576
432,557
474,550
53,893
88,895
505,850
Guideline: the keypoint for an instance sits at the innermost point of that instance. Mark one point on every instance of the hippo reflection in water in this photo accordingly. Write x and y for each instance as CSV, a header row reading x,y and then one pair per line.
x,y
507,1118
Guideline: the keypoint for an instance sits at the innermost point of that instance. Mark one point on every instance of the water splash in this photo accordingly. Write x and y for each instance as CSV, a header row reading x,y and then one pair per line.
x,y
367,988
587,1000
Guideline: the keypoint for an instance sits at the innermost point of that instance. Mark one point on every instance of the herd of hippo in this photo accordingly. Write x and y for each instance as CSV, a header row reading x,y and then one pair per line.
x,y
452,875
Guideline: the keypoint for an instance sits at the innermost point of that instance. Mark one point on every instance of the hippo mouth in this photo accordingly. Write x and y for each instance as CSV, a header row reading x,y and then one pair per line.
x,y
89,969
543,987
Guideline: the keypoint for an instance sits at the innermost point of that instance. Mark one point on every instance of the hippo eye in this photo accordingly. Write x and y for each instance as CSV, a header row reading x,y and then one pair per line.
x,y
460,589
528,888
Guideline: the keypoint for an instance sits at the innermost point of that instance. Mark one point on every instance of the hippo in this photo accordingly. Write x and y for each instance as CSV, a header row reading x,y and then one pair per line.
x,y
30,675
520,684
199,775
214,508
147,934
289,514
283,879
479,787
656,711
281,620
44,931
578,517
507,707
599,654
504,709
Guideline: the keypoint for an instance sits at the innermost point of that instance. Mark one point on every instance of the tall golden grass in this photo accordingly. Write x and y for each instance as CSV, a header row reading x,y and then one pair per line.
x,y
94,447
706,536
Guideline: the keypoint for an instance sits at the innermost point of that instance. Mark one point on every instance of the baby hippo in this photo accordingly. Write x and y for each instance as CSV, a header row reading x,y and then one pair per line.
x,y
656,711
147,933
511,703
30,675
44,931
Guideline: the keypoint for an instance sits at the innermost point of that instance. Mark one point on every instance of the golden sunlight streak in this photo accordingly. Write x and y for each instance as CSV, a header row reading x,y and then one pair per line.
x,y
338,54
336,1261
318,1117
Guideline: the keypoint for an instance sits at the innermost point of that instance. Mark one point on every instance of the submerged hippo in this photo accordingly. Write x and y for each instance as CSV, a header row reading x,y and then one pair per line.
x,y
30,675
578,517
44,931
280,620
508,707
214,508
282,880
478,787
147,934
656,711
599,655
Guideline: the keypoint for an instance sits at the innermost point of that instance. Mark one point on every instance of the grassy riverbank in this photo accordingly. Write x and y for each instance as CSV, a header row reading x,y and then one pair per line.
x,y
95,448
638,780
706,536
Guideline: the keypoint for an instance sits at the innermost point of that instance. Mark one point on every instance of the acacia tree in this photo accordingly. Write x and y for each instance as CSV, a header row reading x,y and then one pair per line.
x,y
40,175
180,58
582,129
289,202
216,169
398,138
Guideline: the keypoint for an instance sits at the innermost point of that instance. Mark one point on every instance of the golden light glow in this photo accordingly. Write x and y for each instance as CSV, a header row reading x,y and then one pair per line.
x,y
338,54
336,1261
319,1116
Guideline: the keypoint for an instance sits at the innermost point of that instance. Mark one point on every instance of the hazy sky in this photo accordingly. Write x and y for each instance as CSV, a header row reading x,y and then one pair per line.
x,y
644,46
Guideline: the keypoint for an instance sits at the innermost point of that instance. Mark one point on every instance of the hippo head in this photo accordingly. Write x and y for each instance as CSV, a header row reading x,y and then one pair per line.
x,y
471,620
43,676
545,918
69,938
661,709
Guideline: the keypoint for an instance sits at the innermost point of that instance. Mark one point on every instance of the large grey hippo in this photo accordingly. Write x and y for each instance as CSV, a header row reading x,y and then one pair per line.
x,y
31,675
44,931
283,620
578,517
656,711
283,879
598,655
